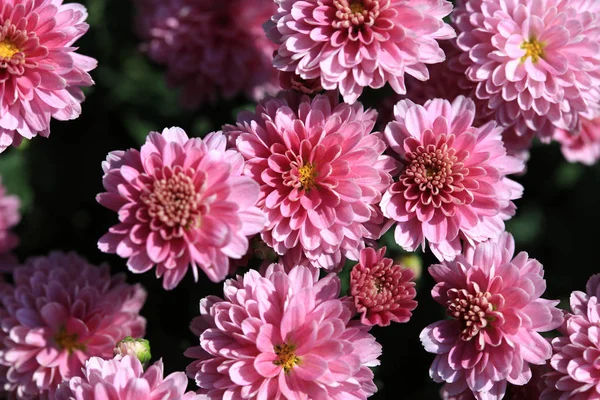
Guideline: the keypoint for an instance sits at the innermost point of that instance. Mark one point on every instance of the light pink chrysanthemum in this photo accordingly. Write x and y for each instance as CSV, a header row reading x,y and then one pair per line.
x,y
453,185
383,292
575,369
9,217
60,312
125,379
353,44
534,61
181,202
321,173
282,336
212,49
582,145
496,309
40,72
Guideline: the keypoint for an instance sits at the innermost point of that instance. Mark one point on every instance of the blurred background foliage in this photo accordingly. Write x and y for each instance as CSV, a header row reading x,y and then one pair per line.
x,y
58,178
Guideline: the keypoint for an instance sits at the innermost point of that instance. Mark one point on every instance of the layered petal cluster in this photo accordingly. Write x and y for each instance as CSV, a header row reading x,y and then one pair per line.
x,y
382,292
575,369
181,202
453,184
41,75
125,379
496,315
61,311
582,145
282,336
212,49
321,173
353,44
9,217
536,62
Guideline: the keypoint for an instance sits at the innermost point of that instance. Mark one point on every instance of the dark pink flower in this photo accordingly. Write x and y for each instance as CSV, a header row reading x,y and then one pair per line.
x,y
9,217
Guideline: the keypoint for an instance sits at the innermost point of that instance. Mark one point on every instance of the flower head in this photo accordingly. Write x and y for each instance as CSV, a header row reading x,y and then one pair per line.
x,y
181,202
138,348
40,72
9,217
284,335
353,44
496,315
60,312
583,145
382,292
321,173
453,185
125,379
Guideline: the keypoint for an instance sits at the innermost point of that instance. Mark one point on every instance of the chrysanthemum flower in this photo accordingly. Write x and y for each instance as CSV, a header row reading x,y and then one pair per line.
x,y
453,185
9,217
125,379
282,336
212,49
535,62
40,72
321,173
181,202
352,44
382,292
575,371
497,314
60,312
582,145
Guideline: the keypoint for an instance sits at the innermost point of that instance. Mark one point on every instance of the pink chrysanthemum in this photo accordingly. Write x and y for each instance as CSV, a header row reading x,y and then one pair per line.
x,y
352,44
125,379
9,217
321,173
383,292
575,368
453,185
60,312
211,49
181,202
496,309
582,145
40,73
534,61
282,336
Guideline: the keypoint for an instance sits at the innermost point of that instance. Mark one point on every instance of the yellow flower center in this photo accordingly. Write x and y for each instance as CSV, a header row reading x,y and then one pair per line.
x,y
533,49
68,341
285,356
356,7
8,49
307,176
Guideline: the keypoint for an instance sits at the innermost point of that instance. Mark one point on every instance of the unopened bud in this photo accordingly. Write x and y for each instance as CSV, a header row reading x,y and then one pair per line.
x,y
139,348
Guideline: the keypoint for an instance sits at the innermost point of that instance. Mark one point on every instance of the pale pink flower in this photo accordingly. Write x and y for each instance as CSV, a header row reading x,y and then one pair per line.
x,y
40,72
453,185
353,44
125,379
575,372
282,336
321,173
212,49
61,311
383,292
181,203
9,217
496,315
583,144
534,61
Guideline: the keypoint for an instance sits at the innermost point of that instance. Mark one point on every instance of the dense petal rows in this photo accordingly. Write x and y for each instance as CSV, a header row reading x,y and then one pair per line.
x,y
282,336
40,72
353,44
582,145
181,202
61,311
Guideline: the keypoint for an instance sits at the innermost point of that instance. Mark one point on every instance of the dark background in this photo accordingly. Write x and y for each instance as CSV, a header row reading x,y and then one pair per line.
x,y
58,178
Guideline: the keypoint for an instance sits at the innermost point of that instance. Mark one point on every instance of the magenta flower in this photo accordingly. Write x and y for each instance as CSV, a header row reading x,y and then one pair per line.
x,y
453,185
575,372
212,49
181,202
352,44
582,145
282,336
9,217
60,312
321,173
382,292
497,313
534,62
40,72
125,379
